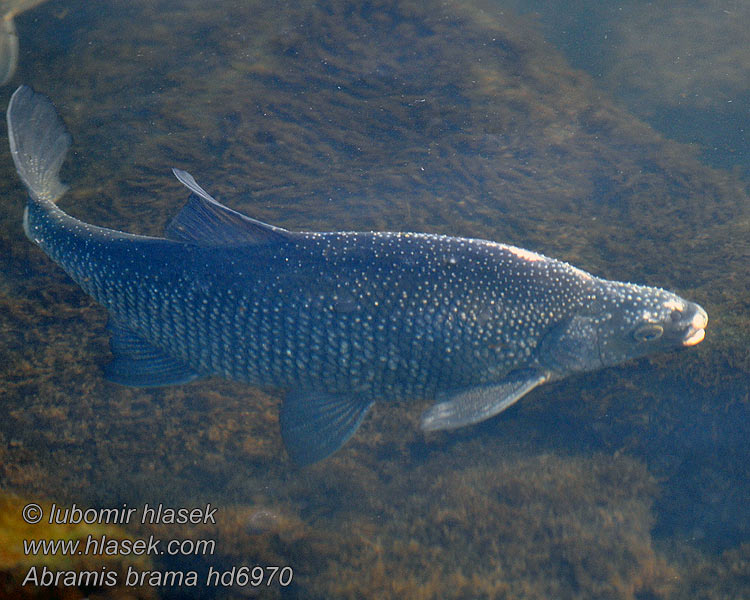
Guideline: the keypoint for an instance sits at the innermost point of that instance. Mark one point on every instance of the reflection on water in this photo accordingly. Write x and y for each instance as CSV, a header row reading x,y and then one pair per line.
x,y
450,118
8,36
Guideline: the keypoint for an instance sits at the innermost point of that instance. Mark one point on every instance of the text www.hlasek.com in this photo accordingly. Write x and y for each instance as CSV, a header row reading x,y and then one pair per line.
x,y
102,545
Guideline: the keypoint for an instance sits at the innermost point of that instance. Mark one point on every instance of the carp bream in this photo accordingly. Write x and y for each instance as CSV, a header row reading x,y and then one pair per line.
x,y
338,319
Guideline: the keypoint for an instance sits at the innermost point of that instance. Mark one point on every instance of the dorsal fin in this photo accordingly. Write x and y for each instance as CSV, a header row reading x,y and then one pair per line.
x,y
206,222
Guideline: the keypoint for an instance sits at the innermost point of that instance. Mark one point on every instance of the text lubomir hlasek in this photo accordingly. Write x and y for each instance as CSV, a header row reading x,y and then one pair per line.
x,y
158,514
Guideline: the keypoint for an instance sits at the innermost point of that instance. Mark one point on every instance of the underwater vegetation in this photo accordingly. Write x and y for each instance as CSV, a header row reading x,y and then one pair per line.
x,y
329,116
579,525
696,52
682,66
685,67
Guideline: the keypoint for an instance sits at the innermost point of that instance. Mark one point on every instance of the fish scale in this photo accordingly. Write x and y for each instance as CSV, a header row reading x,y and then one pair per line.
x,y
338,319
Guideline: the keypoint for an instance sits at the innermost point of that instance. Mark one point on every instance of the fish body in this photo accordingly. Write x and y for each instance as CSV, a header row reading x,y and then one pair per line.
x,y
340,319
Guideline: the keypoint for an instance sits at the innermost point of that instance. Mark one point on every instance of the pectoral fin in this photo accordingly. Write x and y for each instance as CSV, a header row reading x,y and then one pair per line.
x,y
316,424
473,405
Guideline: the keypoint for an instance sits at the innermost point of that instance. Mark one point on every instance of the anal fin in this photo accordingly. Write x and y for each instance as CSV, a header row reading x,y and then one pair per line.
x,y
476,404
138,363
316,424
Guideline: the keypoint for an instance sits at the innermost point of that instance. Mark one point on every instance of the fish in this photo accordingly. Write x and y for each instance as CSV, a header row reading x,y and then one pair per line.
x,y
337,320
8,36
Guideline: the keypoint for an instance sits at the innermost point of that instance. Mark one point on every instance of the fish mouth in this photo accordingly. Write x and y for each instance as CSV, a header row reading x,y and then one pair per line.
x,y
697,330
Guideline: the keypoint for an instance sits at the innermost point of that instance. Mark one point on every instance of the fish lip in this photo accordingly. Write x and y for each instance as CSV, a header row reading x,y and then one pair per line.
x,y
694,336
697,328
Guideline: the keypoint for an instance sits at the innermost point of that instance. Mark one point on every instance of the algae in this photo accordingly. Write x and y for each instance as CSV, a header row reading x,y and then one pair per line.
x,y
502,526
682,66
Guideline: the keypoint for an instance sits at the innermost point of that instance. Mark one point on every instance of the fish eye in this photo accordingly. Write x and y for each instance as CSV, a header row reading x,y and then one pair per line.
x,y
675,316
648,332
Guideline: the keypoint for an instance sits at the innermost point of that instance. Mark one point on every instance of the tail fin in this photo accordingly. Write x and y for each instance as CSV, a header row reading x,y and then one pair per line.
x,y
38,143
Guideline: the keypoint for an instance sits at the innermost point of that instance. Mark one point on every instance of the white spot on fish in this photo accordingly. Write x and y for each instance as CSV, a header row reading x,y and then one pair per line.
x,y
674,304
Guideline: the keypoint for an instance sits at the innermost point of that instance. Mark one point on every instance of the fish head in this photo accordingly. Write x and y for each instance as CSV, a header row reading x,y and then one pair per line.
x,y
621,321
641,320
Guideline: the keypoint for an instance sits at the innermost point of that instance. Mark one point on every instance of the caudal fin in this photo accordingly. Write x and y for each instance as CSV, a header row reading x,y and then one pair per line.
x,y
38,143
